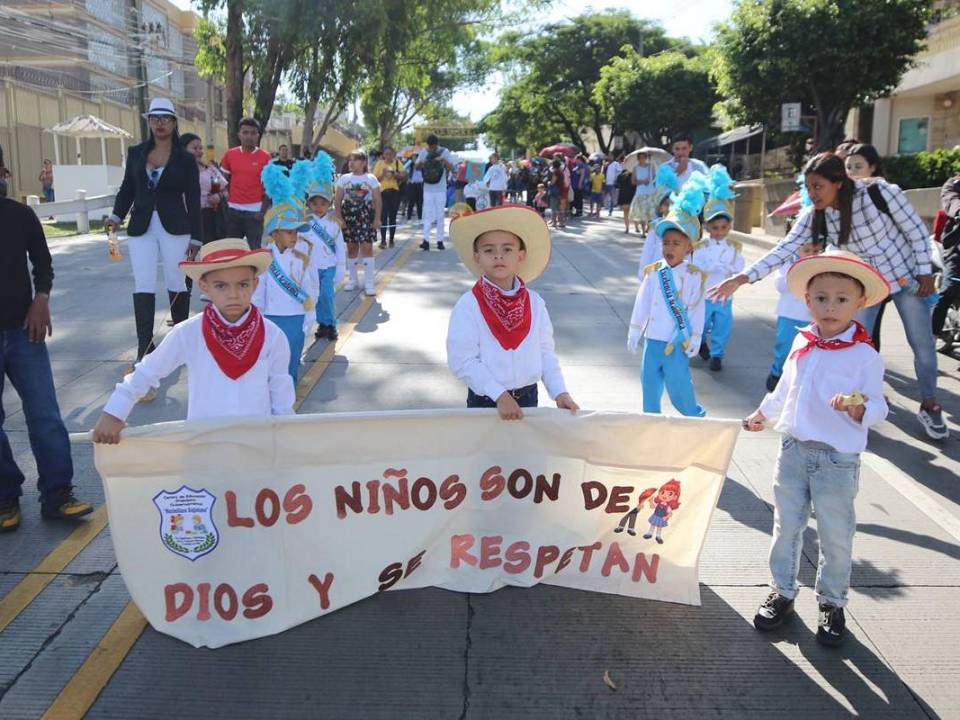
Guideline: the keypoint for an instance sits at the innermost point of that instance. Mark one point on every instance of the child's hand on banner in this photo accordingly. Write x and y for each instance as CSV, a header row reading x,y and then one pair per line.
x,y
565,402
507,407
107,430
754,422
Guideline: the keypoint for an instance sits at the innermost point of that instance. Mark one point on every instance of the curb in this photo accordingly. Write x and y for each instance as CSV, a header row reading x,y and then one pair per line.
x,y
764,242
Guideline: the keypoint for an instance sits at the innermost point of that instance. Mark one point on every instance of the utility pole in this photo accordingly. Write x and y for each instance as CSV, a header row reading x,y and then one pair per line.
x,y
140,70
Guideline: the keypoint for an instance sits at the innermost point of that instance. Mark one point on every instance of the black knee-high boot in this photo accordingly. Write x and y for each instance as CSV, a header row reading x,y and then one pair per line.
x,y
179,305
144,307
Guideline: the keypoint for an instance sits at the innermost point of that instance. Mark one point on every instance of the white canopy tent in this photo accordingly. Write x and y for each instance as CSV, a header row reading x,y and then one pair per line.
x,y
88,126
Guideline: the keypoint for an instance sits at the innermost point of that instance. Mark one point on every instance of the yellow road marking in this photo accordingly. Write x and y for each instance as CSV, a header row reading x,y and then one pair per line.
x,y
83,689
24,592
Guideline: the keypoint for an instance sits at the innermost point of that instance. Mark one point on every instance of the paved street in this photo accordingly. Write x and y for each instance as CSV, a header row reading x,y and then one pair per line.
x,y
515,653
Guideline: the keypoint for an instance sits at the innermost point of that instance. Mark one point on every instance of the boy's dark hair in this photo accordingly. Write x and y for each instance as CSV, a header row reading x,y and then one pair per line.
x,y
250,122
187,138
682,137
432,139
523,245
833,274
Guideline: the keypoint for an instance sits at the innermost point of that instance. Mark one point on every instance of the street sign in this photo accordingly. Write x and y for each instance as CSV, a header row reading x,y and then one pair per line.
x,y
790,117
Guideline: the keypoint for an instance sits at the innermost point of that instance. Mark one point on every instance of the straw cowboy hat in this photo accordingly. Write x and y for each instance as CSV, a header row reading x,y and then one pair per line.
x,y
223,254
522,221
838,261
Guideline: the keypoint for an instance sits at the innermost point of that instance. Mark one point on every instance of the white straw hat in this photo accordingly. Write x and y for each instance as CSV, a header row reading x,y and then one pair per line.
x,y
161,106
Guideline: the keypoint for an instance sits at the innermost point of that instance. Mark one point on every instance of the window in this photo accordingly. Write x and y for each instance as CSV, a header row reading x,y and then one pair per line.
x,y
913,135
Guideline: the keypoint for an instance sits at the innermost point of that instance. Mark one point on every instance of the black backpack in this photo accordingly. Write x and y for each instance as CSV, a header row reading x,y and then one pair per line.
x,y
432,169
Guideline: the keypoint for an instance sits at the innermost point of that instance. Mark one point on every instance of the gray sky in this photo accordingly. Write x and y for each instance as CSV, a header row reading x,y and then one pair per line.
x,y
680,18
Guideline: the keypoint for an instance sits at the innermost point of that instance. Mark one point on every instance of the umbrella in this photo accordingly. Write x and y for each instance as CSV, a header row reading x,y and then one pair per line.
x,y
596,156
790,206
562,148
657,156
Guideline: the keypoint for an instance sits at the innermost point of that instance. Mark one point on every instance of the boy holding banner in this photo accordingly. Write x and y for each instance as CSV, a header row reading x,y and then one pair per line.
x,y
668,313
830,393
500,339
237,361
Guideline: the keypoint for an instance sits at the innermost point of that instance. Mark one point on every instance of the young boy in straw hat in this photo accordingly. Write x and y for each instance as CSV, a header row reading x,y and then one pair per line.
x,y
830,393
237,361
669,309
500,339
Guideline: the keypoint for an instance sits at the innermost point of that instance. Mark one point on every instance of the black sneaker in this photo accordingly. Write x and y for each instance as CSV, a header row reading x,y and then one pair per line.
x,y
773,612
440,245
323,331
332,334
772,381
831,626
932,420
424,245
62,505
9,516
704,351
716,364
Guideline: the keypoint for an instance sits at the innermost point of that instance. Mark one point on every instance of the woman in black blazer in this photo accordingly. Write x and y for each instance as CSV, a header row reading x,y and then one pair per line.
x,y
162,185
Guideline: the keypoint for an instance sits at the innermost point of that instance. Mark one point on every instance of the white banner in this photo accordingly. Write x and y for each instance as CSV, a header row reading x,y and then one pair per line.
x,y
235,529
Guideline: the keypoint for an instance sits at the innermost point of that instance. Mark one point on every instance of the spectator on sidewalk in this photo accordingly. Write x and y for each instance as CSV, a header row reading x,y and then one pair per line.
x,y
435,163
610,174
212,185
390,174
683,165
46,180
283,158
950,243
414,190
495,179
24,326
242,166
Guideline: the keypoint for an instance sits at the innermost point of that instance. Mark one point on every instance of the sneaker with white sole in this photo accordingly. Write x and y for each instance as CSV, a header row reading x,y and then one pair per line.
x,y
370,292
350,286
775,610
932,420
831,625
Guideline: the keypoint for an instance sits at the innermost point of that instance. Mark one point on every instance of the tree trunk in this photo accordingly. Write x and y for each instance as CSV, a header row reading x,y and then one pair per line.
x,y
234,70
309,112
332,109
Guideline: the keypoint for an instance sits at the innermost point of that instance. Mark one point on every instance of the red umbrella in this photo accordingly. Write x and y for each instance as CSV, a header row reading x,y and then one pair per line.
x,y
562,148
790,206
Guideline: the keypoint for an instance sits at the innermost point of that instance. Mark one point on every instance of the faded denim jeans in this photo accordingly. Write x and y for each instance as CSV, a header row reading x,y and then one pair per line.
x,y
814,475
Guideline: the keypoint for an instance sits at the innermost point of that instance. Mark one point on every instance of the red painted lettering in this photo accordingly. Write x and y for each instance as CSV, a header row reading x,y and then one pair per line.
x,y
234,520
614,557
546,554
619,502
647,569
297,505
373,491
414,563
549,489
459,544
203,591
594,494
323,588
452,492
490,551
518,557
587,551
176,610
420,502
390,576
343,499
399,496
265,518
227,610
492,483
520,483
257,602
565,559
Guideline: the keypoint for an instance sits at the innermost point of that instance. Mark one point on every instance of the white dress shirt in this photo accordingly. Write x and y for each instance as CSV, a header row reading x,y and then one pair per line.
x,y
613,170
719,259
693,165
789,305
265,389
496,177
476,357
273,299
652,249
801,402
323,255
651,316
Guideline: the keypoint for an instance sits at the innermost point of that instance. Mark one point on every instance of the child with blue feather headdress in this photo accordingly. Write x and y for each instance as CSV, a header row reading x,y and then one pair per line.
x,y
288,292
667,185
719,257
330,250
669,310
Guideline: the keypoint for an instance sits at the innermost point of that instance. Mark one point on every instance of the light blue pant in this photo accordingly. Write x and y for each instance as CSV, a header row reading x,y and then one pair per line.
x,y
718,324
786,332
326,306
813,474
292,326
672,370
915,314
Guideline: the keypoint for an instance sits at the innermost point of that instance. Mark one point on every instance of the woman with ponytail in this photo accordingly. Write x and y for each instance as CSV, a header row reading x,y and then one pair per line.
x,y
876,222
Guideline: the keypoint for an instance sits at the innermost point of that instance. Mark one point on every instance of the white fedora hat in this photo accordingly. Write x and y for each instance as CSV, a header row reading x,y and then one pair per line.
x,y
161,106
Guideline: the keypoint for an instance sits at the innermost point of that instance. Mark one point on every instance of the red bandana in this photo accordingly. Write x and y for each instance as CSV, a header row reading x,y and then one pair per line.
x,y
235,347
507,316
860,335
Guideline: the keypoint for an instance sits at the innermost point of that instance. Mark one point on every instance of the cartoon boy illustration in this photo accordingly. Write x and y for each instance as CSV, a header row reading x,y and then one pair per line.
x,y
629,521
198,526
664,505
175,522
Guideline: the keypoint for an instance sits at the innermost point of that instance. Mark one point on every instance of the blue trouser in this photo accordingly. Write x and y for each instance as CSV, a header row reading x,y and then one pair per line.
x,y
27,364
915,314
326,307
526,397
718,324
292,326
786,332
813,475
672,370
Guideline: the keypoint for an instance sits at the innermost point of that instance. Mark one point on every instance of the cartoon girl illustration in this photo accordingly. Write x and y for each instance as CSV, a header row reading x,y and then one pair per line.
x,y
629,521
664,505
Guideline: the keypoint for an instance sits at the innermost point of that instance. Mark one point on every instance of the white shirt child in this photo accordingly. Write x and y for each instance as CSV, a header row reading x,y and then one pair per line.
x,y
719,259
476,357
496,177
297,262
652,318
329,248
789,305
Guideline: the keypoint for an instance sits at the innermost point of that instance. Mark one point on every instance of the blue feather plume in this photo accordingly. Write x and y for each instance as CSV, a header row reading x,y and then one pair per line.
x,y
805,201
721,184
276,184
692,195
323,167
301,175
667,178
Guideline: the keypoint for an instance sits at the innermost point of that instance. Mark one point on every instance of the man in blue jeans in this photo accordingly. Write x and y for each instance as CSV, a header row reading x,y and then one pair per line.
x,y
24,326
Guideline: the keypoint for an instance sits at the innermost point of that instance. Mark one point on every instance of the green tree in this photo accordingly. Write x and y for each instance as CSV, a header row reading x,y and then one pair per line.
x,y
656,96
830,55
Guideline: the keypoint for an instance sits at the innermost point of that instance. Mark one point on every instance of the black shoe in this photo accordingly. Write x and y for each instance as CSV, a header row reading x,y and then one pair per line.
x,y
62,505
631,532
647,536
772,381
440,245
773,612
392,243
9,516
831,626
332,334
716,364
323,331
618,528
704,351
424,245
659,540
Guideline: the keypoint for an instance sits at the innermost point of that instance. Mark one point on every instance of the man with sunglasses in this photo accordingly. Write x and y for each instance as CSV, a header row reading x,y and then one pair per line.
x,y
242,165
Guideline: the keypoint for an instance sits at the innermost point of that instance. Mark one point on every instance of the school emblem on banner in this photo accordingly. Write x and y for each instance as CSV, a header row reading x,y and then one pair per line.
x,y
186,521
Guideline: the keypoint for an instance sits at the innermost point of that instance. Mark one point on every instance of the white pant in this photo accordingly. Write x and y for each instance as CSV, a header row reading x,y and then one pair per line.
x,y
157,243
434,208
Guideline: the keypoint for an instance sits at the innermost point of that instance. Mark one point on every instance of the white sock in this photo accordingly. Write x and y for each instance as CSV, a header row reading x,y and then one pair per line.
x,y
352,266
368,272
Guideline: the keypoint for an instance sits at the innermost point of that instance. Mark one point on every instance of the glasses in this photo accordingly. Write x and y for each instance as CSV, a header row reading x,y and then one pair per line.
x,y
153,179
161,119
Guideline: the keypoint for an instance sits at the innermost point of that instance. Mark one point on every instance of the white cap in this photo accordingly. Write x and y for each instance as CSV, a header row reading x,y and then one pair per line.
x,y
160,106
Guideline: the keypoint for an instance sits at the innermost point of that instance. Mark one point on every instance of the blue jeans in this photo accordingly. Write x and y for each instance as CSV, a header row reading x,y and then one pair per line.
x,y
326,307
292,327
28,367
786,332
915,314
814,474
718,325
672,370
48,193
526,398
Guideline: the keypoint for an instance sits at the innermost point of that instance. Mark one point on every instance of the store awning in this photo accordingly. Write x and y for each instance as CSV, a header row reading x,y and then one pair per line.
x,y
88,126
731,136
